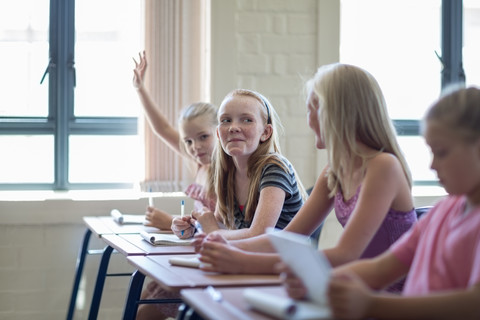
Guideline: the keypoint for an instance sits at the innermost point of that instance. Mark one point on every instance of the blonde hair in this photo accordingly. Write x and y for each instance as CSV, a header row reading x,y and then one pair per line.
x,y
268,152
352,108
194,111
458,110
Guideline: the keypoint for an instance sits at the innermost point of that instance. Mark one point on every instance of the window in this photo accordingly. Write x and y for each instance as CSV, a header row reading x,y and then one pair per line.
x,y
401,42
77,129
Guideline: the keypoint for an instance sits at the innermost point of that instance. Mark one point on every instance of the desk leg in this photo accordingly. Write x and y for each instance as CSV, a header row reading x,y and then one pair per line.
x,y
78,273
102,273
133,296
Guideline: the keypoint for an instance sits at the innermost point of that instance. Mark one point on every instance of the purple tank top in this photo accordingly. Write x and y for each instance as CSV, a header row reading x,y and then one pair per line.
x,y
395,224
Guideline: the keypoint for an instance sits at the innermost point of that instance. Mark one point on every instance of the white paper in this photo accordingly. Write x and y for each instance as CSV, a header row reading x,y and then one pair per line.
x,y
283,307
121,218
306,262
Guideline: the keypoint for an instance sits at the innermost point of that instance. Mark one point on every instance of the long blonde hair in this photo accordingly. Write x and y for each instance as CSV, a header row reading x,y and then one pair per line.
x,y
267,152
351,109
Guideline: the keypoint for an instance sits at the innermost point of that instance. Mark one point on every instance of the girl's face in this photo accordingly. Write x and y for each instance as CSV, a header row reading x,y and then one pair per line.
x,y
198,137
241,127
456,162
313,110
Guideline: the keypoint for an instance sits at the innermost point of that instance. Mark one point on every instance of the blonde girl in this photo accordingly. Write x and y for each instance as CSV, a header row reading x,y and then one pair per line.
x,y
256,186
366,179
194,141
441,254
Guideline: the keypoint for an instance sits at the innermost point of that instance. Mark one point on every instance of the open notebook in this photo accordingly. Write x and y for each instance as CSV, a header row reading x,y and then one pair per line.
x,y
158,239
307,263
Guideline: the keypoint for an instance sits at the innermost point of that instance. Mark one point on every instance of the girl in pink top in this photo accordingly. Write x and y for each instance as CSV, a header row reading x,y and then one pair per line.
x,y
441,254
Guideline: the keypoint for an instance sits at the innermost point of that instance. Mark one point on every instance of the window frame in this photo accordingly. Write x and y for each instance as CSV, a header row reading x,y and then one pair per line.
x,y
61,121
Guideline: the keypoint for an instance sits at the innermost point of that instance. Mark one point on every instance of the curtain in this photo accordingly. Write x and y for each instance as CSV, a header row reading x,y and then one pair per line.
x,y
176,44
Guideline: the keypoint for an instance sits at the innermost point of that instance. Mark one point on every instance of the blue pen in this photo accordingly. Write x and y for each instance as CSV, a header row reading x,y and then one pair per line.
x,y
182,212
198,226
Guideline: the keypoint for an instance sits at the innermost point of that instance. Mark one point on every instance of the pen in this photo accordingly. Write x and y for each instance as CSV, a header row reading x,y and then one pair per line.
x,y
150,198
198,226
182,212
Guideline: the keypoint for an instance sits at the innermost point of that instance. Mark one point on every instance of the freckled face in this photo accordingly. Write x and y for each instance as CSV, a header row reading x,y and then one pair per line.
x,y
456,162
241,126
198,136
313,109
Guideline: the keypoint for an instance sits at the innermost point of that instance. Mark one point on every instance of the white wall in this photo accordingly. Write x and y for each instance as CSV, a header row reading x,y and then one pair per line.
x,y
268,45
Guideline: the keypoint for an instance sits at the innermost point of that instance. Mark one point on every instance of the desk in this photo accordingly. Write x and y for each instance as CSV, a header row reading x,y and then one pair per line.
x,y
175,278
201,302
100,227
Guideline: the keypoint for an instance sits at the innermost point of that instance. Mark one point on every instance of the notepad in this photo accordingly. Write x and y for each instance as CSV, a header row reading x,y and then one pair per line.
x,y
164,239
122,218
191,262
306,262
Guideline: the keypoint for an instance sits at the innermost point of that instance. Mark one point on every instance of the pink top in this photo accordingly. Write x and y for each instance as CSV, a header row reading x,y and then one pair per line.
x,y
442,249
197,192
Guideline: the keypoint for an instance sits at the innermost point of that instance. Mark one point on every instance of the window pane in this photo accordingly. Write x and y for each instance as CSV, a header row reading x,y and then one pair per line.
x,y
471,46
109,33
418,157
396,41
27,159
112,159
24,52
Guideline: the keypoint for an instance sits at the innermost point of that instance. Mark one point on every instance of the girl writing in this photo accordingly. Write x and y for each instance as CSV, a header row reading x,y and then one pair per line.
x,y
441,254
366,179
256,186
194,141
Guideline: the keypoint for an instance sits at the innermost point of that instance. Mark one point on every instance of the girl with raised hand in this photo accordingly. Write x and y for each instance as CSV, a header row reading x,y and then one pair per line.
x,y
441,254
256,186
194,141
366,180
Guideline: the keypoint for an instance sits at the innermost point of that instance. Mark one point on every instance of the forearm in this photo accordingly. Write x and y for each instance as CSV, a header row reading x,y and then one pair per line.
x,y
255,244
260,263
453,305
237,234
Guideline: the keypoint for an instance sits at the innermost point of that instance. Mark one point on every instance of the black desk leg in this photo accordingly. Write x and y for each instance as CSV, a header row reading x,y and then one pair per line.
x,y
102,273
78,273
133,296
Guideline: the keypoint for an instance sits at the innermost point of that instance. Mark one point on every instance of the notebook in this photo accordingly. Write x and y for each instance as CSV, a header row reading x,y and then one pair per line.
x,y
310,265
164,239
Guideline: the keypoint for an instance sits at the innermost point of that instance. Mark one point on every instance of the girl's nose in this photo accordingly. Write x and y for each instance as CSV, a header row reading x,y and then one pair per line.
x,y
233,128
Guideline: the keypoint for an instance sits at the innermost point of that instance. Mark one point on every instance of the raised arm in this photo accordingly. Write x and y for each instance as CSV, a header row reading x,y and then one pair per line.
x,y
158,122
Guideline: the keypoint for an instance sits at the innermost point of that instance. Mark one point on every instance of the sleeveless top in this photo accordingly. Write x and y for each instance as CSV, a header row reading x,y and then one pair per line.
x,y
395,224
274,176
198,193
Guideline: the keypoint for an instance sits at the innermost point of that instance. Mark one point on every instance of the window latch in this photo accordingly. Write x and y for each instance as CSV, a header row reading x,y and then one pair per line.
x,y
51,64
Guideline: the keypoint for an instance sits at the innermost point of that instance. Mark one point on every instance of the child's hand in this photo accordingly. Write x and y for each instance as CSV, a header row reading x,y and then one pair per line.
x,y
207,219
348,296
139,71
294,285
183,227
158,218
218,256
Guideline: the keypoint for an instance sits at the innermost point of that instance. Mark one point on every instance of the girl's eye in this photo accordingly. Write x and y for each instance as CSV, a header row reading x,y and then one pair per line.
x,y
188,142
204,137
247,120
224,120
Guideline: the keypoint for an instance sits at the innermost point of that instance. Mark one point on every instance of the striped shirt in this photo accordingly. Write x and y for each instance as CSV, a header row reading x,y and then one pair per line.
x,y
275,176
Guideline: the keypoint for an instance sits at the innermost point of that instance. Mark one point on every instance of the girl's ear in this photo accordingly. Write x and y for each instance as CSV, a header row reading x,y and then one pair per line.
x,y
216,130
267,133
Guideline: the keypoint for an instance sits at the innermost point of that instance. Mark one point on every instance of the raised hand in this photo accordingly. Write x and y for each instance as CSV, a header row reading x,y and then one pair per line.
x,y
139,71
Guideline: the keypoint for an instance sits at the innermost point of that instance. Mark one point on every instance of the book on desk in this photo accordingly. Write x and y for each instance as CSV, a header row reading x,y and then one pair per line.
x,y
158,239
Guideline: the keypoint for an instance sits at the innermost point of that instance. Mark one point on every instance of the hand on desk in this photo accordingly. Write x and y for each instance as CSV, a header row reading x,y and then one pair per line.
x,y
219,256
158,218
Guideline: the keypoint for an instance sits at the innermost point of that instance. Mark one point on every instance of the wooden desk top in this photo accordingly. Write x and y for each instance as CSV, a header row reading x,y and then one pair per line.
x,y
175,278
106,225
203,304
133,244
